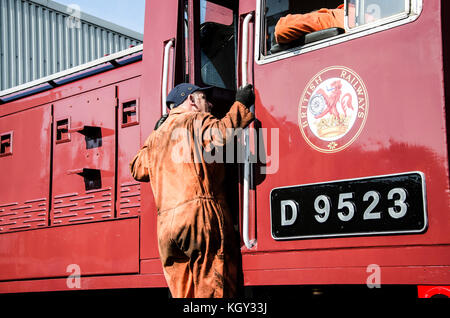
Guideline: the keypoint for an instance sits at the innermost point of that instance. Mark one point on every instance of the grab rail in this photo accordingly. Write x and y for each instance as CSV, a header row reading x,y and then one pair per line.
x,y
249,243
165,76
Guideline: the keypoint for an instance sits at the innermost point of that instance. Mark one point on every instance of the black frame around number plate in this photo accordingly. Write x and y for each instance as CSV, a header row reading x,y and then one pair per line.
x,y
306,225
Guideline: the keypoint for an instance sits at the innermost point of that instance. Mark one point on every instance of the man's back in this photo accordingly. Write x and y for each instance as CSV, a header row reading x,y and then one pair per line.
x,y
197,245
175,155
185,176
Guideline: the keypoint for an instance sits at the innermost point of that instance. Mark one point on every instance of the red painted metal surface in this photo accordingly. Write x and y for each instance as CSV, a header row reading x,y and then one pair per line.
x,y
81,137
404,131
83,163
76,230
96,248
90,282
347,266
433,291
28,207
129,105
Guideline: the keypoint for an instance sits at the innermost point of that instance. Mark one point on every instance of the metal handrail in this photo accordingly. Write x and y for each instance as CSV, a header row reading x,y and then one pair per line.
x,y
165,76
247,174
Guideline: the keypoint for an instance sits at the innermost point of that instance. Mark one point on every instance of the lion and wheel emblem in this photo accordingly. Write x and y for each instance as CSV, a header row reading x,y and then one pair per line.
x,y
333,109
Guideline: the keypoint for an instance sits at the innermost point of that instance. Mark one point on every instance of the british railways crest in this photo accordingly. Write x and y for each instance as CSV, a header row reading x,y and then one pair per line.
x,y
333,109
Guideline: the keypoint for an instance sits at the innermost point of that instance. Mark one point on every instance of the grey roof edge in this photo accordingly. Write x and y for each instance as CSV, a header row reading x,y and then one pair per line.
x,y
91,19
71,71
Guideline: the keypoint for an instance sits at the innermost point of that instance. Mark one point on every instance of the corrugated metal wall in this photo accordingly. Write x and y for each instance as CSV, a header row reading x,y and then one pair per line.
x,y
39,38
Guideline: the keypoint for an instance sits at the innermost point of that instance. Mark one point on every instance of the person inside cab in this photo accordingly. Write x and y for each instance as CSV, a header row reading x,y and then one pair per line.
x,y
294,26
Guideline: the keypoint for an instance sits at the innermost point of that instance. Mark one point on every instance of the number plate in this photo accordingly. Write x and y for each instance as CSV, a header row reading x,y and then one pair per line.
x,y
383,205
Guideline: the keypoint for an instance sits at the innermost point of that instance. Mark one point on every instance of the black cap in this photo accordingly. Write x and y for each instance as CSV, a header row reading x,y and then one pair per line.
x,y
180,92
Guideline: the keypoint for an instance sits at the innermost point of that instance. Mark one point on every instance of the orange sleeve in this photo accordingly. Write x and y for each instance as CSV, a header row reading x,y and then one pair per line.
x,y
219,131
331,18
139,164
293,26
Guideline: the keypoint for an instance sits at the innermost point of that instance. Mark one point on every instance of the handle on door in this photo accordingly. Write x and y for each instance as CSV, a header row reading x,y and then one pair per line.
x,y
62,130
85,130
165,76
130,113
79,129
6,144
80,171
92,177
249,243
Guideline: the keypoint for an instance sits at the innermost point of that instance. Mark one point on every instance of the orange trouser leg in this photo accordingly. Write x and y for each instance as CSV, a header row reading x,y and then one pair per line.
x,y
198,250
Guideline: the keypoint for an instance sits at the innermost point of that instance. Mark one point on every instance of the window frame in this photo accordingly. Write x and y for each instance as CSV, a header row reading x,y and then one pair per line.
x,y
355,32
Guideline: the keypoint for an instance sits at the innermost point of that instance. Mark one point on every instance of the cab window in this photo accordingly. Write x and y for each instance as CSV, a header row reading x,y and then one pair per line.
x,y
360,13
356,15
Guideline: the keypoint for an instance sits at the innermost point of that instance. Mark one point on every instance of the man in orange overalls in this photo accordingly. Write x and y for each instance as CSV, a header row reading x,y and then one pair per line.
x,y
293,26
196,238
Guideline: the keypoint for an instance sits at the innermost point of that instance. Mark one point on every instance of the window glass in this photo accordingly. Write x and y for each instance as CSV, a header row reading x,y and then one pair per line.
x,y
217,45
361,12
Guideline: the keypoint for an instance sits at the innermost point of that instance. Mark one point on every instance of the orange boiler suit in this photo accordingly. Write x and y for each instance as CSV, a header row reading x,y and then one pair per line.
x,y
197,242
293,26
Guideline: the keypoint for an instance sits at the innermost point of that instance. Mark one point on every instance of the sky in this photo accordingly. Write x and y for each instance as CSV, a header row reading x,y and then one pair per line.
x,y
126,13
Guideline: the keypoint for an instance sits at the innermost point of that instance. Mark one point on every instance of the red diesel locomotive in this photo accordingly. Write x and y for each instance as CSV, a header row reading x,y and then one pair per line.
x,y
344,180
